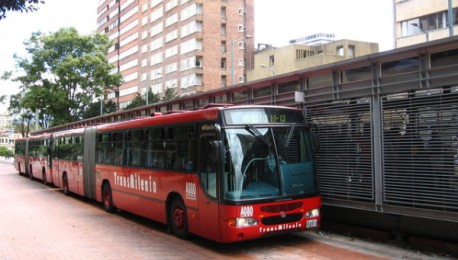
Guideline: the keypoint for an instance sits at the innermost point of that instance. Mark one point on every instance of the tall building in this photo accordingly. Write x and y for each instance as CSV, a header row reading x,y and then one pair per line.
x,y
191,46
418,21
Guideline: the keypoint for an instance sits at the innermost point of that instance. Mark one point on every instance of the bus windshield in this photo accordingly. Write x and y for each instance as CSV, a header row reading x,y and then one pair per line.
x,y
267,162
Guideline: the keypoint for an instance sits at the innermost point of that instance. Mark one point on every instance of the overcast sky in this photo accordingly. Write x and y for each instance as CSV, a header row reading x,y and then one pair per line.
x,y
276,22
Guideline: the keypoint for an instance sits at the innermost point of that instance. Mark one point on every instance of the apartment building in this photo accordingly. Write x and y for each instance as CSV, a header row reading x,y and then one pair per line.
x,y
418,21
191,46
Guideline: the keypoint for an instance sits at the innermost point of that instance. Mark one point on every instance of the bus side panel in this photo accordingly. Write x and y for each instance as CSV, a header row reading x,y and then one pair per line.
x,y
145,192
123,187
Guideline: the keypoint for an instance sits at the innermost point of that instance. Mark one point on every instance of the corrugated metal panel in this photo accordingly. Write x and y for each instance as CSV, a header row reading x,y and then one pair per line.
x,y
420,130
344,161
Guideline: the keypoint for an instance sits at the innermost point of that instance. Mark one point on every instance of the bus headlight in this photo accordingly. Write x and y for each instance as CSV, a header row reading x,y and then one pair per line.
x,y
242,222
312,213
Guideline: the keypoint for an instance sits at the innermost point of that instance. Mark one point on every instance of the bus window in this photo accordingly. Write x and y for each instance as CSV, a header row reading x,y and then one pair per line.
x,y
156,148
117,147
136,158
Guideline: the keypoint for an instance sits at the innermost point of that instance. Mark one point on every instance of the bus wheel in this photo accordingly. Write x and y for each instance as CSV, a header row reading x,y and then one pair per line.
x,y
65,188
107,198
179,219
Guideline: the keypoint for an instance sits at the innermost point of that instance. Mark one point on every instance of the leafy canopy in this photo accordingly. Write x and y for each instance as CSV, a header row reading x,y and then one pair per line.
x,y
18,5
64,73
139,101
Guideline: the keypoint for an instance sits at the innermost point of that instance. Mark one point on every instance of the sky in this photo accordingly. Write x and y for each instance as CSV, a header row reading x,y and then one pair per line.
x,y
276,22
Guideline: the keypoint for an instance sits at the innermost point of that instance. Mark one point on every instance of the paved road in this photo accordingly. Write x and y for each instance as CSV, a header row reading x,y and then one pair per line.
x,y
39,222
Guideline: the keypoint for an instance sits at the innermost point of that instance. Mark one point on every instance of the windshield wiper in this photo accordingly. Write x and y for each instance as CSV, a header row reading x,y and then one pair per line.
x,y
289,135
255,132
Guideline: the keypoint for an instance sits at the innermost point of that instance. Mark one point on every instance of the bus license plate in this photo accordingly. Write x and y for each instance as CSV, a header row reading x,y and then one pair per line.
x,y
312,223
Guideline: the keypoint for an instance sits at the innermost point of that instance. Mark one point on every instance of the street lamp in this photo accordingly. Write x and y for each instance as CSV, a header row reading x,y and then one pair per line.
x,y
421,29
268,68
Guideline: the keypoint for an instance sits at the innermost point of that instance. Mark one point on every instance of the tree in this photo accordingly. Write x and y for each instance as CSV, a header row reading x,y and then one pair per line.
x,y
6,76
65,71
93,109
169,94
5,152
153,98
139,101
18,5
22,122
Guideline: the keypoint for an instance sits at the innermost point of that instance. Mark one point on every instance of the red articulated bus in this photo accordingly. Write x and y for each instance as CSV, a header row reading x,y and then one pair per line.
x,y
227,173
33,157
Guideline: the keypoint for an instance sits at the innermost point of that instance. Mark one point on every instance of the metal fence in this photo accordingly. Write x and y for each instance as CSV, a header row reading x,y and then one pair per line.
x,y
388,134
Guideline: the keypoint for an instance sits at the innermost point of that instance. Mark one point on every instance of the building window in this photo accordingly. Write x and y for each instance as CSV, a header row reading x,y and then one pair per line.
x,y
172,67
171,36
272,61
223,81
241,11
171,83
191,28
171,20
191,45
223,63
171,4
427,23
241,28
223,47
223,29
241,45
191,80
171,51
223,12
351,51
340,51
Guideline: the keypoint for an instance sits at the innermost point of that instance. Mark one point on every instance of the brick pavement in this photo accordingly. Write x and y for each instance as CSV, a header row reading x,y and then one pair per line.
x,y
39,222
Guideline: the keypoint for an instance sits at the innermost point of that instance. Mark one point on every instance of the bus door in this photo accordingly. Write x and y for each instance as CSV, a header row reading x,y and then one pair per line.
x,y
209,178
89,163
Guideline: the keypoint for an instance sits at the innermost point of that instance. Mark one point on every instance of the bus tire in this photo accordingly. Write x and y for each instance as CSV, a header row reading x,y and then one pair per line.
x,y
65,188
178,219
107,198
